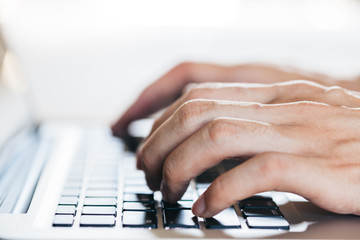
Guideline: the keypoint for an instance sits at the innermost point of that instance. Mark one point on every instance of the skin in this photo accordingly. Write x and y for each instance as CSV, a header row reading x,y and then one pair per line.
x,y
295,133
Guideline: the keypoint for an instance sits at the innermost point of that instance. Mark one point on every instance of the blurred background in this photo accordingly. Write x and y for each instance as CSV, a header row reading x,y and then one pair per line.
x,y
91,58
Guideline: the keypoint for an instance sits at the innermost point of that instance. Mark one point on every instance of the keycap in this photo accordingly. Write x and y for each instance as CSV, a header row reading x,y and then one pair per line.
x,y
137,189
68,201
71,192
179,205
97,221
135,181
100,202
200,191
136,174
267,223
101,193
63,220
102,185
188,196
133,197
230,163
257,202
74,179
179,218
105,169
225,219
73,185
66,209
139,219
202,185
208,176
261,212
92,210
97,177
139,206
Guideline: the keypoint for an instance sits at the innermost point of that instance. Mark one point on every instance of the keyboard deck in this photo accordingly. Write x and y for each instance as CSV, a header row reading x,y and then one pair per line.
x,y
103,189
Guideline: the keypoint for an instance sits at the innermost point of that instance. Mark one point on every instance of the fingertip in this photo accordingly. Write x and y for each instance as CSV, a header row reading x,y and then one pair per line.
x,y
138,165
199,207
118,129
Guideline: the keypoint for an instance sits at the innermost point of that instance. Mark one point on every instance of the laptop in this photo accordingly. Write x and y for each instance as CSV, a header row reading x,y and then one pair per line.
x,y
74,180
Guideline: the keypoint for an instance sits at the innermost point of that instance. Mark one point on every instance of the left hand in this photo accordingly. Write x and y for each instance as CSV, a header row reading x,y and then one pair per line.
x,y
296,133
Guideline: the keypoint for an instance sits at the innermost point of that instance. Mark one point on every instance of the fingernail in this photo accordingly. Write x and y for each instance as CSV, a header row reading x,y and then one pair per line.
x,y
199,207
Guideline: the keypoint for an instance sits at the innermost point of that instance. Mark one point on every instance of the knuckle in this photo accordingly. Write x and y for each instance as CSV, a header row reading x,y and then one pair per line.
x,y
303,86
335,92
257,106
184,66
272,167
191,112
195,93
219,130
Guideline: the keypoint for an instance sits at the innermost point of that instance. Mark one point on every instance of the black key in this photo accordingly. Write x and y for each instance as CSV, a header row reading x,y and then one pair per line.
x,y
258,202
138,197
63,220
261,212
179,205
97,221
69,201
93,210
139,206
139,219
100,202
267,223
179,218
230,163
225,219
207,177
66,210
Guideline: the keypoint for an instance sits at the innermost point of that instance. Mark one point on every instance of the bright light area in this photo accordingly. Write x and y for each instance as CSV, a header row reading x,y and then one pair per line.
x,y
91,58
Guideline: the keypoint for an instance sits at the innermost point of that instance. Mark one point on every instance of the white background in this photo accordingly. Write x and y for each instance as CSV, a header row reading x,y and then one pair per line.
x,y
90,59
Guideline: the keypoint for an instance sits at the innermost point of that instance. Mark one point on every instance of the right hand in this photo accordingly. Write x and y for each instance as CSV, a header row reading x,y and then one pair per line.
x,y
170,87
295,133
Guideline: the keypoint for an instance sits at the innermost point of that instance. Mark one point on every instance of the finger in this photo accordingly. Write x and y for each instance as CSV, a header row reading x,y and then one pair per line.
x,y
285,92
194,115
227,137
166,89
291,91
245,92
265,172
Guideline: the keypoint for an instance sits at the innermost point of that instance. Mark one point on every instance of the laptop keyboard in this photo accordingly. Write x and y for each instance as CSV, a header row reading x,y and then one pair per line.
x,y
103,190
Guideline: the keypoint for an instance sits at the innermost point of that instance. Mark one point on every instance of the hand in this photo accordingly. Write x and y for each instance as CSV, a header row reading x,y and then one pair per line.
x,y
169,87
296,133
